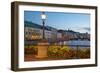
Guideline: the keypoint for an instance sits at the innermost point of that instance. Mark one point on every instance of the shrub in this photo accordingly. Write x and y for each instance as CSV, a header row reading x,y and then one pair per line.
x,y
29,50
59,52
84,53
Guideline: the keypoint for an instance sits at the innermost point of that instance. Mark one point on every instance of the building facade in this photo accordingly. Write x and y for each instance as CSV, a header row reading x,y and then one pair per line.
x,y
34,31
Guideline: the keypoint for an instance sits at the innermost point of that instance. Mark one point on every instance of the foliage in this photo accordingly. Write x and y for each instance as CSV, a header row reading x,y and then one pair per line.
x,y
29,50
84,53
65,52
60,51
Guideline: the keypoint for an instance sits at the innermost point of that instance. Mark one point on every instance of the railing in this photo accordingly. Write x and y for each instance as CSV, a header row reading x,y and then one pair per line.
x,y
79,50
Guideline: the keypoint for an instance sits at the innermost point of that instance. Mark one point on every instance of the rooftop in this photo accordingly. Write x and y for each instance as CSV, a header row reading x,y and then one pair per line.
x,y
34,25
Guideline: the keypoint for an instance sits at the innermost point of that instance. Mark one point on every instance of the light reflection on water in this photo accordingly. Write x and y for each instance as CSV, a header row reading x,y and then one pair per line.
x,y
77,42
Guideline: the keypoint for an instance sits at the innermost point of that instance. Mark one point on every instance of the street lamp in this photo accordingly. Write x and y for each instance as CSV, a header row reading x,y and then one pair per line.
x,y
43,17
41,46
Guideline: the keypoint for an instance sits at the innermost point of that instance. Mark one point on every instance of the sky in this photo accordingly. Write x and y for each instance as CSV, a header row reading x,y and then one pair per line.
x,y
79,22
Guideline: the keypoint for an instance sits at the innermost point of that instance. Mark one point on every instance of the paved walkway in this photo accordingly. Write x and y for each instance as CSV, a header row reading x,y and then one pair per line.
x,y
33,58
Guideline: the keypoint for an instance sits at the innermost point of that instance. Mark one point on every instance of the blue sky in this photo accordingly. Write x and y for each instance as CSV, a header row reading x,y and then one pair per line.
x,y
73,21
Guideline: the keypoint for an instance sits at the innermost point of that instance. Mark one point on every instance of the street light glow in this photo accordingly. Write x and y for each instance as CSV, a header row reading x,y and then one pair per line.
x,y
43,16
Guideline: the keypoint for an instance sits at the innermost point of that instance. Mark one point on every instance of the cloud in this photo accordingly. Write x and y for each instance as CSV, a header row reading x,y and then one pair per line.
x,y
82,29
86,28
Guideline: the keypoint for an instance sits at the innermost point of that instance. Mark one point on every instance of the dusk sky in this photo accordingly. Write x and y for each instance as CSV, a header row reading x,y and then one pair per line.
x,y
73,21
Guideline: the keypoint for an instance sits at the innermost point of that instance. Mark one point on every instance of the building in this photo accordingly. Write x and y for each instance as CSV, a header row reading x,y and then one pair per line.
x,y
34,31
53,32
72,35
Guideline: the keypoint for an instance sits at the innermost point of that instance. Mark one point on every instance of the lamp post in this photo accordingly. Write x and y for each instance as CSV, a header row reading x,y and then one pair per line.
x,y
43,17
43,44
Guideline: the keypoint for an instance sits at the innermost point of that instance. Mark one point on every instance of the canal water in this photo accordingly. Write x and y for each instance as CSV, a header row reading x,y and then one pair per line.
x,y
78,43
